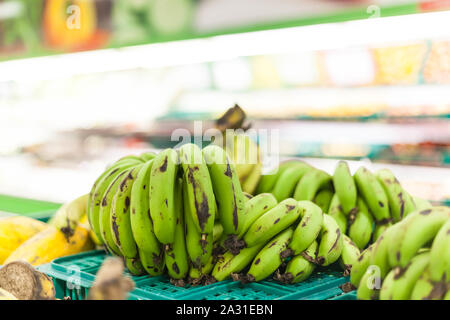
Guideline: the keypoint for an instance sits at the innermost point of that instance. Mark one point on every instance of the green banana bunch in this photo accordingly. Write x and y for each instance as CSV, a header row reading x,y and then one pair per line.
x,y
105,214
440,255
414,232
308,228
120,222
300,267
349,256
310,183
335,210
227,189
175,255
162,200
400,282
331,243
360,225
269,259
272,222
287,180
323,199
199,190
229,263
373,194
345,187
400,204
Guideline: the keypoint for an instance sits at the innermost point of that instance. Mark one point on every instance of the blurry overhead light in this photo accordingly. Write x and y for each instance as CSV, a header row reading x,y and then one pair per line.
x,y
375,31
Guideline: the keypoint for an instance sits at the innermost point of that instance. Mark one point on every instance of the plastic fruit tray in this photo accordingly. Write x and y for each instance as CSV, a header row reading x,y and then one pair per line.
x,y
74,275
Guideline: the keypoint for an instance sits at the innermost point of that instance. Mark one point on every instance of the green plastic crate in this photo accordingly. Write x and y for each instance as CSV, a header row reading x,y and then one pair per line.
x,y
74,275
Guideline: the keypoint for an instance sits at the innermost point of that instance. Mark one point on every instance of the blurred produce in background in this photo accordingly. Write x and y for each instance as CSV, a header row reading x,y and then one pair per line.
x,y
106,78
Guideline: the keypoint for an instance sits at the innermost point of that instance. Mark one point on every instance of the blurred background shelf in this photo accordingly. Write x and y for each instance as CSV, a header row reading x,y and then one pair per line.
x,y
367,81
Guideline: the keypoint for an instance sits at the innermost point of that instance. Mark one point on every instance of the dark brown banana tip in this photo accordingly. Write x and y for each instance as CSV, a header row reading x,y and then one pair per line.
x,y
286,253
320,260
247,278
347,287
178,282
233,244
348,270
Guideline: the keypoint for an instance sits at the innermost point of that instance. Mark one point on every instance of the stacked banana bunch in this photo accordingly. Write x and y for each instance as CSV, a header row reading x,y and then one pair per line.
x,y
183,212
363,205
410,260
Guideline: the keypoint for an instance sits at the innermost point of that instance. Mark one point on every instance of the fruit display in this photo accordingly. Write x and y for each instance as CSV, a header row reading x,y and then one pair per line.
x,y
35,242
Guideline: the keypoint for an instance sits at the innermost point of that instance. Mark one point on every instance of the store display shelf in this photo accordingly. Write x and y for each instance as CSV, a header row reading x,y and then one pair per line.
x,y
74,275
41,210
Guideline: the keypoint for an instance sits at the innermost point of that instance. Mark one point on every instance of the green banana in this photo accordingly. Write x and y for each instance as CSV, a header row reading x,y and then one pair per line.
x,y
373,194
350,254
287,180
200,194
269,259
440,255
419,228
98,190
300,267
360,266
360,225
345,187
199,245
267,181
217,232
387,287
427,289
308,228
105,214
147,156
229,263
323,199
310,183
272,222
227,188
379,229
120,223
397,197
336,212
162,200
255,208
331,243
134,265
152,262
379,256
141,222
406,278
369,286
421,204
175,255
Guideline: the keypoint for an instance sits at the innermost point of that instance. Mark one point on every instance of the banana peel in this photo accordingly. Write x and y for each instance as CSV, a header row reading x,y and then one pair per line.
x,y
52,243
16,230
